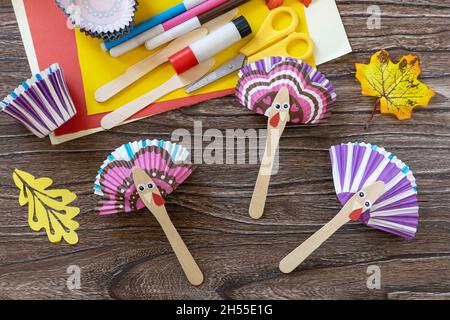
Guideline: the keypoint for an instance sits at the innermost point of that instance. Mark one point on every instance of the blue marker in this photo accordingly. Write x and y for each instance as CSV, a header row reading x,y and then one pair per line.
x,y
153,22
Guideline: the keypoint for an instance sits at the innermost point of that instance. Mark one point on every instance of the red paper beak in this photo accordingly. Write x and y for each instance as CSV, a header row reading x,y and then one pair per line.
x,y
275,120
158,200
355,215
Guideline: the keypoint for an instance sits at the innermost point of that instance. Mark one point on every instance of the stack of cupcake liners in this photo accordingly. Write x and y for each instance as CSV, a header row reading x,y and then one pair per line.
x,y
104,19
42,104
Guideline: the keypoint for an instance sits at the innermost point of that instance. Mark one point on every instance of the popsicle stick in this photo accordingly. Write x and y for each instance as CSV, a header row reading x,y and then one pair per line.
x,y
259,197
357,204
187,262
274,132
118,116
303,251
147,65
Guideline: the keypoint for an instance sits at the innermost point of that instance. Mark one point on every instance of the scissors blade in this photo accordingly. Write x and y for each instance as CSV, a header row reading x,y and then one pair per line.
x,y
227,68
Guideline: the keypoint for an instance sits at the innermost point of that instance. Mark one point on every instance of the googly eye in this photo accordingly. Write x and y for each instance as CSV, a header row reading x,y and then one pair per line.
x,y
362,194
286,106
141,187
278,106
150,185
367,204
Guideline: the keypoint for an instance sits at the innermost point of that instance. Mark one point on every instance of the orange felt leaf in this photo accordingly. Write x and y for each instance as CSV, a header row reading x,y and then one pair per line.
x,y
396,85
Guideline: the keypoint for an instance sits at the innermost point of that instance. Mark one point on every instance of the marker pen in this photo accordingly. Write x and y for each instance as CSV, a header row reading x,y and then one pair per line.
x,y
211,45
192,24
153,32
154,21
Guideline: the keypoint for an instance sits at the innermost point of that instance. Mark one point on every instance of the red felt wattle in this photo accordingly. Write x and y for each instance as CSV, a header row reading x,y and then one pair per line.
x,y
355,215
275,120
158,200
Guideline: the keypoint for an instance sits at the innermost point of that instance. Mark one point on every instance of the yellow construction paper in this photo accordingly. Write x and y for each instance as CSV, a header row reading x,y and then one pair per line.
x,y
48,209
99,68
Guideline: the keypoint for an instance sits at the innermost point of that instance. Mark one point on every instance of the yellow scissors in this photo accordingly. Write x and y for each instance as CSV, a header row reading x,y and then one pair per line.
x,y
268,42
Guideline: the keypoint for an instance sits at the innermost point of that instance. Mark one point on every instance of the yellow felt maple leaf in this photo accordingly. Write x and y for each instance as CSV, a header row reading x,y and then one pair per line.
x,y
396,85
48,209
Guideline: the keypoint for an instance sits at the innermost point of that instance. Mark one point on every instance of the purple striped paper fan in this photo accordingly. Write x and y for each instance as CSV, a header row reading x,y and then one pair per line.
x,y
357,165
42,103
311,93
165,162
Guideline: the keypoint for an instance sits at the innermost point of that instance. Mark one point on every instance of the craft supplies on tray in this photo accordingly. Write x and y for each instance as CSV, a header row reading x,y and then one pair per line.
x,y
104,19
285,90
42,103
89,68
141,174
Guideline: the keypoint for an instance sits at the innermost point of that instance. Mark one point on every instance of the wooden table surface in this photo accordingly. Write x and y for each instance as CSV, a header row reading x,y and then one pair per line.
x,y
128,257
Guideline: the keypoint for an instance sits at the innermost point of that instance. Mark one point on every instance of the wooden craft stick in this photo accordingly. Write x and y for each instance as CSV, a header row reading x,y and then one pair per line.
x,y
120,115
274,133
355,204
147,65
303,251
153,200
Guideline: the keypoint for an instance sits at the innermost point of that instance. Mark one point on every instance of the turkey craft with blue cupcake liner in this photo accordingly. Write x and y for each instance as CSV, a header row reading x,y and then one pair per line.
x,y
375,188
42,104
285,90
104,19
141,174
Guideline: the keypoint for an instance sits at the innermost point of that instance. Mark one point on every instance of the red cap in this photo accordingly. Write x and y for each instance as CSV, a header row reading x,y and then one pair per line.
x,y
183,60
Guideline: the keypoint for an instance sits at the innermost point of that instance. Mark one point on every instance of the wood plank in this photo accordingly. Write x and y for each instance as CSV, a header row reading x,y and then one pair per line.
x,y
127,256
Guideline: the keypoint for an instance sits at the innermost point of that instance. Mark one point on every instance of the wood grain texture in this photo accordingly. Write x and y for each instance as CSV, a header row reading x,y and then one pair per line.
x,y
128,257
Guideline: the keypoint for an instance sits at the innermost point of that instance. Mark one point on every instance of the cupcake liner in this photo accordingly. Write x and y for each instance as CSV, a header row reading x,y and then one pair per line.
x,y
42,104
105,19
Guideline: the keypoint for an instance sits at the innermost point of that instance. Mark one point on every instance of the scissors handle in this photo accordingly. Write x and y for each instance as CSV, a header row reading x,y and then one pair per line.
x,y
282,48
268,33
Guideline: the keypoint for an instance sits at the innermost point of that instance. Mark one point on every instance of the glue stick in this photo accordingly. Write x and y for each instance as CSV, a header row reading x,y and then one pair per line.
x,y
211,45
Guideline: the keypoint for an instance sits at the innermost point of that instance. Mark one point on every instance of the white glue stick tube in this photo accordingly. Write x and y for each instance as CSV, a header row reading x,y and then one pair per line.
x,y
211,45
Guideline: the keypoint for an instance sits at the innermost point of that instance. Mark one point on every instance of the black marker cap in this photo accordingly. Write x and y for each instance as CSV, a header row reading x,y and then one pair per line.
x,y
243,26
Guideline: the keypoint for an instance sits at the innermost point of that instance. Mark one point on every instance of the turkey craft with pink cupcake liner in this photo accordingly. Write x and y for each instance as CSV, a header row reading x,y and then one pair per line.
x,y
42,104
285,90
141,174
104,19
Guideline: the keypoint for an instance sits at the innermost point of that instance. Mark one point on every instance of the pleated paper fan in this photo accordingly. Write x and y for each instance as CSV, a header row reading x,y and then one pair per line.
x,y
311,93
42,103
165,162
357,165
104,19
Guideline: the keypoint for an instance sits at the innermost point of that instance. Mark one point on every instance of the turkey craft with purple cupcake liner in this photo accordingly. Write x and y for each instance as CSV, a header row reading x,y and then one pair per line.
x,y
42,104
375,188
104,19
